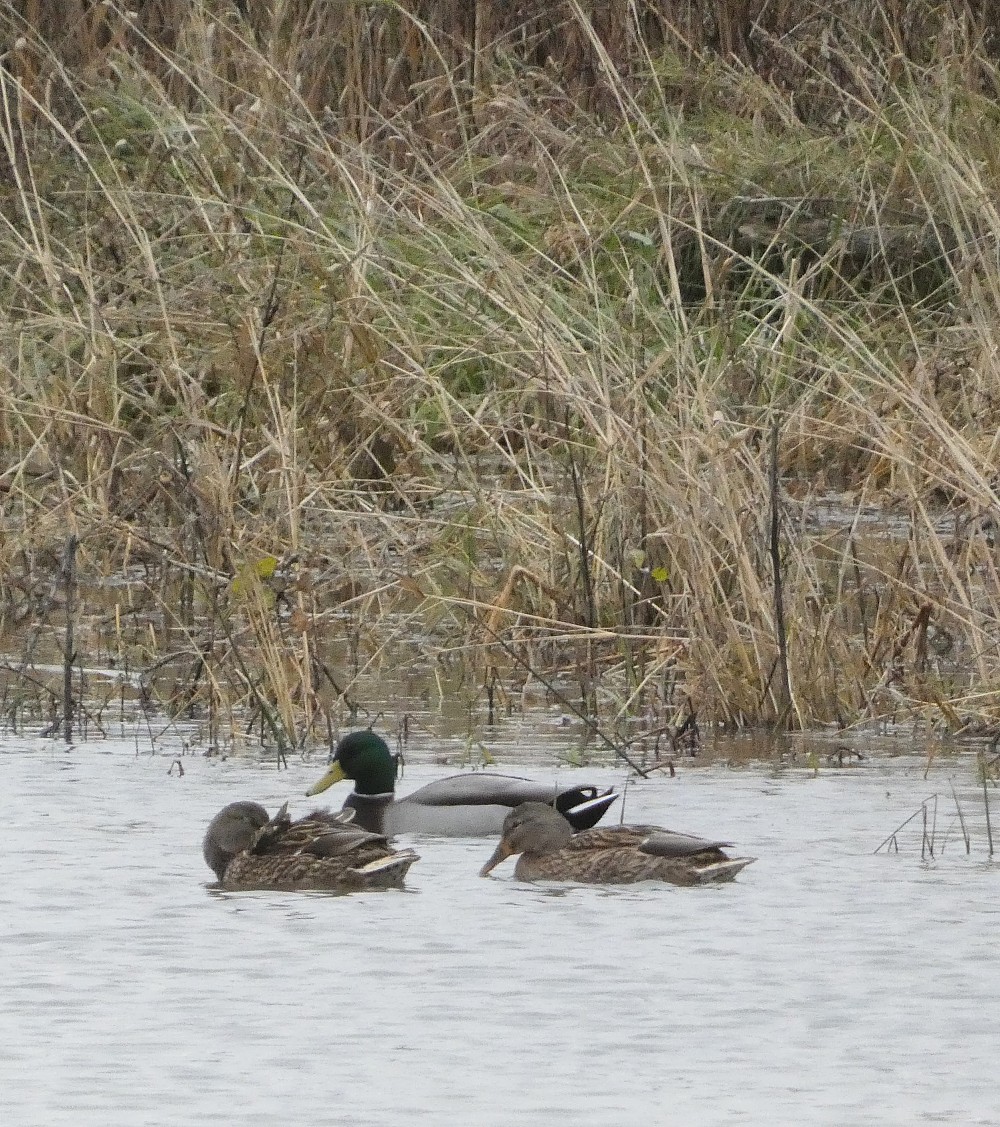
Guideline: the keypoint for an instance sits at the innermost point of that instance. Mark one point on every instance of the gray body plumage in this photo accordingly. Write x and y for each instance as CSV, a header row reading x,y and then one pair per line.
x,y
470,805
473,805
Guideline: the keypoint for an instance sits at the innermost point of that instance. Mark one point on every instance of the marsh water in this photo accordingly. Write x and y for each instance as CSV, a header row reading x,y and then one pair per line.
x,y
827,985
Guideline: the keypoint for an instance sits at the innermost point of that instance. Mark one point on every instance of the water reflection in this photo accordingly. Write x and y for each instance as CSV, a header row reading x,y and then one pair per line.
x,y
826,986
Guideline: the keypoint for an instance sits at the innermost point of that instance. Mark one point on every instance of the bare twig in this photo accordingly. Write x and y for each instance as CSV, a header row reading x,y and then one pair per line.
x,y
774,544
69,646
921,810
961,818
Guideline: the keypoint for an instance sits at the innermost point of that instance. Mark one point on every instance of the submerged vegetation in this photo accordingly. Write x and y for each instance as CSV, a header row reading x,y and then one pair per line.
x,y
657,366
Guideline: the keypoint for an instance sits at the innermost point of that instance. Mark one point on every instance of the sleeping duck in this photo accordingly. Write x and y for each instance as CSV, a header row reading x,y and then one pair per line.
x,y
250,851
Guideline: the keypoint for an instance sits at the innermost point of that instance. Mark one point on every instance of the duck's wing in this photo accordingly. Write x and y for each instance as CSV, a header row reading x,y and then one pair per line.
x,y
342,817
651,840
481,789
610,837
667,843
319,834
706,861
486,789
352,854
345,840
366,867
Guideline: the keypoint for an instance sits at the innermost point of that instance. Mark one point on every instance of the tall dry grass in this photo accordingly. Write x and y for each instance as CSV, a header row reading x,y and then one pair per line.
x,y
487,371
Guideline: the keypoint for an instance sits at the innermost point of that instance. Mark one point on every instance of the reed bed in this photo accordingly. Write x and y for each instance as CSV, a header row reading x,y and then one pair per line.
x,y
666,381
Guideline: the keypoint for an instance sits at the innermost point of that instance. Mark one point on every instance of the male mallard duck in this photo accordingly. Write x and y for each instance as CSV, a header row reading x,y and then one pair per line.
x,y
249,851
607,855
470,805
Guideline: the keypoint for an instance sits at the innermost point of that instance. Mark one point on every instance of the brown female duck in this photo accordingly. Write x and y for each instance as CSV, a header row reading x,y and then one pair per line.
x,y
607,855
249,851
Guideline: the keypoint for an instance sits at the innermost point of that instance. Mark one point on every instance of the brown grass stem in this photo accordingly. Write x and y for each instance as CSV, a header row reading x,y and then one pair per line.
x,y
69,645
390,298
774,547
961,819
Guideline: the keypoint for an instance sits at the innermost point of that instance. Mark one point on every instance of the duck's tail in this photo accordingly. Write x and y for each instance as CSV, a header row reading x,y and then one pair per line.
x,y
583,808
722,871
386,872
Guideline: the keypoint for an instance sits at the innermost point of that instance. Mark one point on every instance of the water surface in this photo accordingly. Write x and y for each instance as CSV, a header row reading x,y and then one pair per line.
x,y
826,986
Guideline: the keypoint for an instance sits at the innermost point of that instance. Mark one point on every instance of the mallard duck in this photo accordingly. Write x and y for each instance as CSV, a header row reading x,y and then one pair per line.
x,y
247,850
609,854
472,805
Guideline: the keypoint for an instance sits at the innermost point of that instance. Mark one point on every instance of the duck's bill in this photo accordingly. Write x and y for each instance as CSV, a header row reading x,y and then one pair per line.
x,y
501,853
334,774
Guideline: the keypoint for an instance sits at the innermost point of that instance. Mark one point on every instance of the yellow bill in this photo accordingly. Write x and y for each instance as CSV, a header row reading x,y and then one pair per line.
x,y
334,774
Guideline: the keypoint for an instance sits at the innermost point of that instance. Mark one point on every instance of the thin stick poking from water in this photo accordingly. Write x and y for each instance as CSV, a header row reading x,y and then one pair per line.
x,y
961,818
774,544
590,603
986,801
927,843
891,838
69,648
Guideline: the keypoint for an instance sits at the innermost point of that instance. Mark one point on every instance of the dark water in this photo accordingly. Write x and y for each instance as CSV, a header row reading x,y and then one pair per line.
x,y
826,986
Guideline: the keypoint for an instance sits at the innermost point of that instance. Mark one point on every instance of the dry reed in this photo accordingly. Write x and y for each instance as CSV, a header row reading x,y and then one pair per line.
x,y
481,356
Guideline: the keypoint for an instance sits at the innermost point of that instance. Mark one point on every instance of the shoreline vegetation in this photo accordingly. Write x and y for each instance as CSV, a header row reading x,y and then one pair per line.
x,y
654,365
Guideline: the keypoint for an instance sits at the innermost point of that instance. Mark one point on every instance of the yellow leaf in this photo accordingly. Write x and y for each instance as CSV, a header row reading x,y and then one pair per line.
x,y
660,574
262,569
266,567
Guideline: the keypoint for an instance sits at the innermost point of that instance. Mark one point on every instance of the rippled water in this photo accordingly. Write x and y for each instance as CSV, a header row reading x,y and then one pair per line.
x,y
826,986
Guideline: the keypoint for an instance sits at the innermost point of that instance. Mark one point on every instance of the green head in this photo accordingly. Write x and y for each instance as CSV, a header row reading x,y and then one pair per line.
x,y
365,758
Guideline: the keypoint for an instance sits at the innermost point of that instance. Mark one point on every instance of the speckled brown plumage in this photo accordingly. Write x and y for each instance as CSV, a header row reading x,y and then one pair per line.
x,y
323,851
608,855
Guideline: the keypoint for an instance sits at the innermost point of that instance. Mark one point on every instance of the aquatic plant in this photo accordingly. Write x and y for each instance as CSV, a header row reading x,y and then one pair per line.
x,y
633,377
